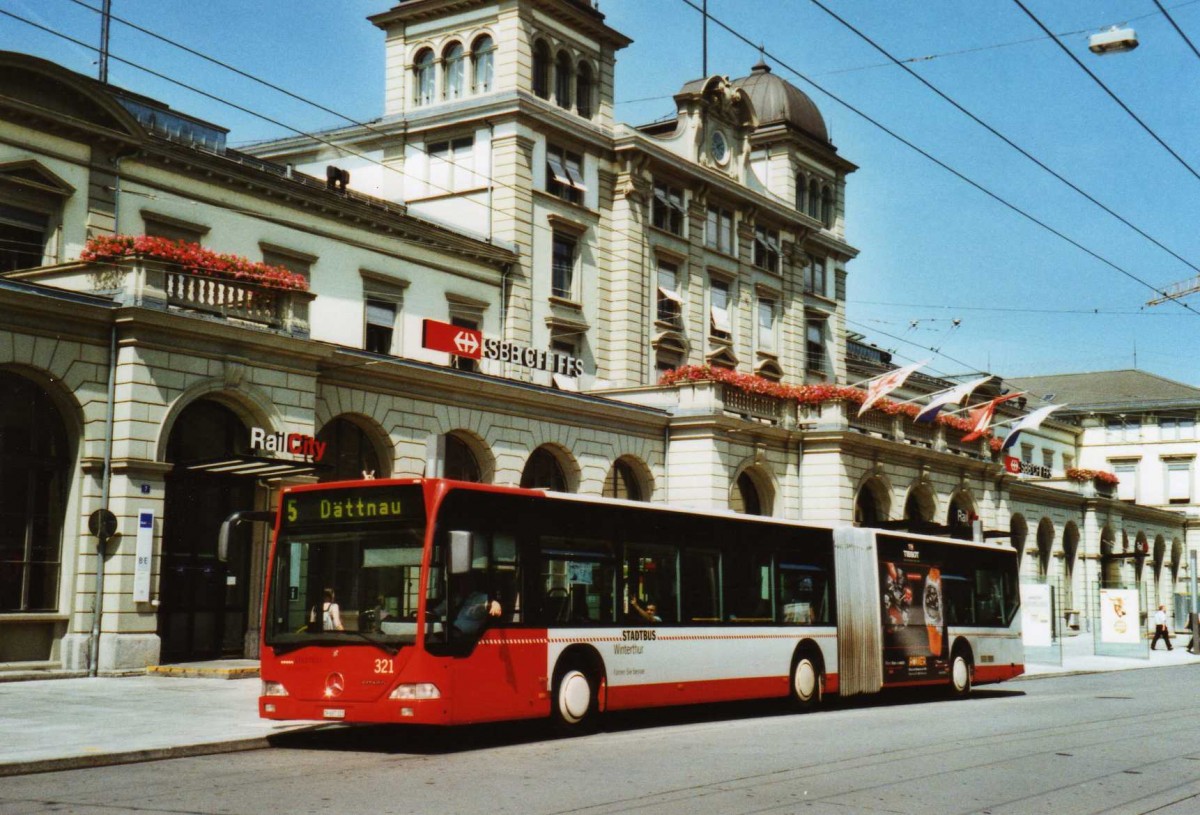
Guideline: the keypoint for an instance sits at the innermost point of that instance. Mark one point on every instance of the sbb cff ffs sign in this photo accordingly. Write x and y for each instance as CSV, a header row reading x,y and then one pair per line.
x,y
467,342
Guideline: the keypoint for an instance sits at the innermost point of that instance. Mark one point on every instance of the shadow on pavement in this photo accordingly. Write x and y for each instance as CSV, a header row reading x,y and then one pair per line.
x,y
389,739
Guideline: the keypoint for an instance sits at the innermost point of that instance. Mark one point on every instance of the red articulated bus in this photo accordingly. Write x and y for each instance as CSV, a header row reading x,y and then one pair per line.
x,y
441,602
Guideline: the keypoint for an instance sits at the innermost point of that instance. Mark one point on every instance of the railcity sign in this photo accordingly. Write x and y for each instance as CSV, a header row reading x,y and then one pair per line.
x,y
470,343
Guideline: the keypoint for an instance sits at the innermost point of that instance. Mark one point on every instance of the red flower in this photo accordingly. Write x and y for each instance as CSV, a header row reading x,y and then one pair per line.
x,y
1081,474
193,258
807,394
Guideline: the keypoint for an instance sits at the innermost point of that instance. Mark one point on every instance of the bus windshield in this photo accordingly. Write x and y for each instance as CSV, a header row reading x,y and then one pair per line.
x,y
347,568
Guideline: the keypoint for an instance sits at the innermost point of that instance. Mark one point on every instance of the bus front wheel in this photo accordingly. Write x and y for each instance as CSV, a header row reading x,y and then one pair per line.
x,y
808,684
574,699
960,676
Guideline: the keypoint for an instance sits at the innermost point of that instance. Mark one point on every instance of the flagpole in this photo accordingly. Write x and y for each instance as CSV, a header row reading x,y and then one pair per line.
x,y
862,382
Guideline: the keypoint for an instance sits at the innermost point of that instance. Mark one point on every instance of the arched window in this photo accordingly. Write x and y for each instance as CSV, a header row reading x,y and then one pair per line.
x,y
423,82
583,90
622,482
350,453
801,192
483,70
827,207
814,198
461,463
34,472
563,80
541,70
454,71
543,471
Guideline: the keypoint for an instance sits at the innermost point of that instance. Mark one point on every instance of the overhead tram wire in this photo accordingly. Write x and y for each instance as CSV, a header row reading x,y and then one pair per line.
x,y
1178,30
1004,138
603,250
1112,95
926,154
1010,310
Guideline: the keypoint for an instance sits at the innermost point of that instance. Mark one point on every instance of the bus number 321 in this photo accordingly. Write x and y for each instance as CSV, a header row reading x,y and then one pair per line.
x,y
384,666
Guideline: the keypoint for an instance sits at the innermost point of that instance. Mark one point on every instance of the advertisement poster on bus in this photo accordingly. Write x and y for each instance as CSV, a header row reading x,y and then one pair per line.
x,y
1119,615
1037,625
913,622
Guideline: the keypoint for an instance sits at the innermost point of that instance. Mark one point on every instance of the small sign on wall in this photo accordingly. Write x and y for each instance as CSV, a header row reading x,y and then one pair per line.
x,y
144,553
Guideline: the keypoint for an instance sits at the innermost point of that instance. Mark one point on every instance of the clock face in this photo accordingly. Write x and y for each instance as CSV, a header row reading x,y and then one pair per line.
x,y
719,147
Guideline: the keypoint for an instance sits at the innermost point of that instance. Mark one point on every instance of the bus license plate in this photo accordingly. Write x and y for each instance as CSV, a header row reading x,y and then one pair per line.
x,y
334,713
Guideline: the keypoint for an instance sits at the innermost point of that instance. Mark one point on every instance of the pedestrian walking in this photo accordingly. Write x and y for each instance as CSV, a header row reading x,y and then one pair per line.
x,y
1160,629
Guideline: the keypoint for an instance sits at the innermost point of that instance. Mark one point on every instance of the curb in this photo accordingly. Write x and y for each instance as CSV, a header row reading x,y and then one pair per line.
x,y
52,765
203,673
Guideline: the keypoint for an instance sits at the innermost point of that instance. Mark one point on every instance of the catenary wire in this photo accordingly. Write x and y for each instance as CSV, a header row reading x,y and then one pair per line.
x,y
1111,94
325,141
957,106
926,154
1178,30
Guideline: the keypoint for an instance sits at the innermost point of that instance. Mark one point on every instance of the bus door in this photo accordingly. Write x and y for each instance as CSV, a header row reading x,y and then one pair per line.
x,y
478,611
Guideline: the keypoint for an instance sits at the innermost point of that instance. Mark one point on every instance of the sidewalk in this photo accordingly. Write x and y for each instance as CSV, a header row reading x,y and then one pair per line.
x,y
60,724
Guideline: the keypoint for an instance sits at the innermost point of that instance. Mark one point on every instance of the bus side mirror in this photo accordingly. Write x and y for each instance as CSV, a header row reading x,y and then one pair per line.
x,y
233,520
460,552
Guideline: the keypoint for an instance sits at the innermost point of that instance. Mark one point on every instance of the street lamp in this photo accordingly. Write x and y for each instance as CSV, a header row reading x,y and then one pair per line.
x,y
1114,41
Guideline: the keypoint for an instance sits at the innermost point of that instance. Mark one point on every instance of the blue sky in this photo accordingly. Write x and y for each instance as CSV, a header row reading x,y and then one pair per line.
x,y
933,248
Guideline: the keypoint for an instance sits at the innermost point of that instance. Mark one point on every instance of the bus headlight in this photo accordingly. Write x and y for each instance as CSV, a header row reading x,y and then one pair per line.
x,y
273,689
421,690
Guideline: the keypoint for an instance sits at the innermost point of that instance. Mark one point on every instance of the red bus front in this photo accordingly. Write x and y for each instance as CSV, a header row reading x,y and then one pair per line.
x,y
362,623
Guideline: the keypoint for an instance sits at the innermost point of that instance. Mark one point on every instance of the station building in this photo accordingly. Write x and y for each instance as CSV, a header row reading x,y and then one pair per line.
x,y
490,282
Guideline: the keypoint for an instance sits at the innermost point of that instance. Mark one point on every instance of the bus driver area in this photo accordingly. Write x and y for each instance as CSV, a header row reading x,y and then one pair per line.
x,y
464,603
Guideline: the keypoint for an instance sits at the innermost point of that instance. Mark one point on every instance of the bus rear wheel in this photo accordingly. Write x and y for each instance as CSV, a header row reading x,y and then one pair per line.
x,y
960,676
573,699
807,685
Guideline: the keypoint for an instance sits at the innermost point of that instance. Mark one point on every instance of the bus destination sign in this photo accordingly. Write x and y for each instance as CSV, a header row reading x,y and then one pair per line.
x,y
353,505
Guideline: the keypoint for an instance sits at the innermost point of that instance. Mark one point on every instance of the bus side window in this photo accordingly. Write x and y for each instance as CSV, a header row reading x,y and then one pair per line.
x,y
957,598
651,584
700,586
803,593
576,583
747,582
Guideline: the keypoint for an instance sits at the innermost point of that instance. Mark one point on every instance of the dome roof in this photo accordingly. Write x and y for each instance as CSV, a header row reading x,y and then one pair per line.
x,y
779,101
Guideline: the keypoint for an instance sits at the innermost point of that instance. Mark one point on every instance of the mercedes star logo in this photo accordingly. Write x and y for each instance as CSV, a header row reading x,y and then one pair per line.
x,y
334,685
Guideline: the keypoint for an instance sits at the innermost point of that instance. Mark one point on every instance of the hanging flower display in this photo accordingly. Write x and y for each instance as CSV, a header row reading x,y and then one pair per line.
x,y
194,258
1099,476
807,394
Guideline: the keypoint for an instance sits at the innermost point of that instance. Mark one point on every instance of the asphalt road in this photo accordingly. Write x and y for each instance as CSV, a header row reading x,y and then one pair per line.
x,y
1122,742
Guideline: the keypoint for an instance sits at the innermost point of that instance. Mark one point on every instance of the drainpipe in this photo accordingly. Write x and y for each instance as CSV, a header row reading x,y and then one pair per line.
x,y
491,177
106,484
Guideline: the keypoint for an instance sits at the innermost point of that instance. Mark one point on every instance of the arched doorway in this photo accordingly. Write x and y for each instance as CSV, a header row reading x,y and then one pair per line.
x,y
35,475
748,496
870,505
1045,544
960,518
919,508
1018,532
351,453
622,481
203,602
1070,551
461,463
543,471
1110,564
